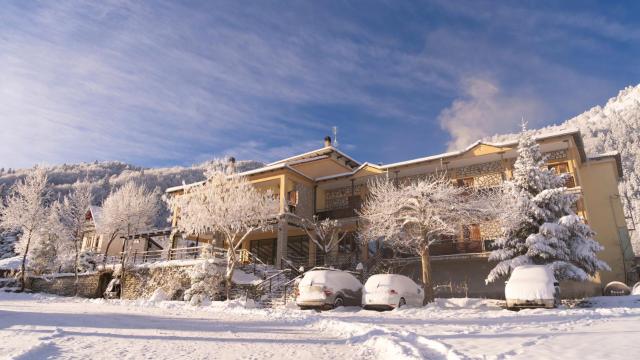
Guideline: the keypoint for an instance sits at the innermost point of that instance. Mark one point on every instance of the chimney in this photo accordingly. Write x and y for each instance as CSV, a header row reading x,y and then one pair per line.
x,y
232,164
327,141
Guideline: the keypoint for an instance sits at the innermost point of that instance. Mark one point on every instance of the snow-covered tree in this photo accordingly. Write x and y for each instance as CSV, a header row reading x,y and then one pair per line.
x,y
43,257
539,224
326,234
226,205
128,209
25,211
72,215
411,216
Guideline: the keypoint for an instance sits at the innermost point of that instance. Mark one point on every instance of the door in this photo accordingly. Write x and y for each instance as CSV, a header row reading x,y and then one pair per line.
x,y
264,249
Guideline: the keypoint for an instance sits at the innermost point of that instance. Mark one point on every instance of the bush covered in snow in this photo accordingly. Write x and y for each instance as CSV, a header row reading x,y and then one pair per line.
x,y
207,283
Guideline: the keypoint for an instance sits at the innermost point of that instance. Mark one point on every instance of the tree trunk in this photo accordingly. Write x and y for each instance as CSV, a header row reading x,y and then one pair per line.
x,y
426,274
24,262
231,264
75,268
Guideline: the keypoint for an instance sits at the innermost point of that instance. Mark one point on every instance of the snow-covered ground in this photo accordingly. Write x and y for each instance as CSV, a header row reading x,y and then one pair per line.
x,y
42,326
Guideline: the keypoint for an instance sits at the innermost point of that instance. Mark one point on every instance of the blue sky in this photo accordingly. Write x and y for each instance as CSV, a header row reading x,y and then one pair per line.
x,y
174,83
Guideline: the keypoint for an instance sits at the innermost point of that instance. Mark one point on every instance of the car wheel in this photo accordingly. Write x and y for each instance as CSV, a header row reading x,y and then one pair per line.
x,y
338,302
402,302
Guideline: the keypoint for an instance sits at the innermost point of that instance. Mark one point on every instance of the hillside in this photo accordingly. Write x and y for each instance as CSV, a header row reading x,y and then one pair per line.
x,y
104,176
613,127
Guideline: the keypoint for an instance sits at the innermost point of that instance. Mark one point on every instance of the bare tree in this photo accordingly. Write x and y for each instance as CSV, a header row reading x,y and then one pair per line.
x,y
26,211
227,205
410,217
72,214
325,234
127,210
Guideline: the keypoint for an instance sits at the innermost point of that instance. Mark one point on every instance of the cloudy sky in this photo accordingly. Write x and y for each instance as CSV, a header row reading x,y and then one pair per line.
x,y
160,83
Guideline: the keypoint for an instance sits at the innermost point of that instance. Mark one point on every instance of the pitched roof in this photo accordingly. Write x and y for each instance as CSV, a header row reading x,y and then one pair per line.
x,y
574,132
316,153
263,169
96,215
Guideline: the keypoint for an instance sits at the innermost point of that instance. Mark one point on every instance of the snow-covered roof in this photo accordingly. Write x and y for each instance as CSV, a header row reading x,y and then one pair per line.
x,y
12,263
96,215
245,173
610,154
315,153
574,132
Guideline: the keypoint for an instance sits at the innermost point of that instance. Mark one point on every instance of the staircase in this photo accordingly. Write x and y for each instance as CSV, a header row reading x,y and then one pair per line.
x,y
276,290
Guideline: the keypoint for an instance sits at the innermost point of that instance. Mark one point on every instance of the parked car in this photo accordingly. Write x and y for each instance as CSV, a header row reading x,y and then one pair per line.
x,y
616,288
532,286
328,288
636,289
388,291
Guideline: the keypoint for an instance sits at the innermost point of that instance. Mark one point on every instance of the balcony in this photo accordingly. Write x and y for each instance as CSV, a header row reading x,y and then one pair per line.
x,y
456,247
354,204
341,213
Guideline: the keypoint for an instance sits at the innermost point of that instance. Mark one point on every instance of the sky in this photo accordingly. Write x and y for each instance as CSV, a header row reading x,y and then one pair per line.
x,y
160,83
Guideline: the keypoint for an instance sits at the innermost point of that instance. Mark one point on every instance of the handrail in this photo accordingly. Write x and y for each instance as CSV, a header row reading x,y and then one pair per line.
x,y
273,276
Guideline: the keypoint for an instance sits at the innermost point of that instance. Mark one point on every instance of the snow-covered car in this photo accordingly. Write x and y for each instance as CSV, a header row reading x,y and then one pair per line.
x,y
388,291
328,288
532,286
636,289
616,288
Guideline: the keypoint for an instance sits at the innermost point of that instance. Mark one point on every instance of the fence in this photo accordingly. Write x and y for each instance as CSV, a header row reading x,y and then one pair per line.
x,y
189,253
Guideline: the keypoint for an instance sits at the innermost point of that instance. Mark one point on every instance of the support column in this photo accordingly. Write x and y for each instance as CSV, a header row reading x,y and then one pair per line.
x,y
281,243
312,254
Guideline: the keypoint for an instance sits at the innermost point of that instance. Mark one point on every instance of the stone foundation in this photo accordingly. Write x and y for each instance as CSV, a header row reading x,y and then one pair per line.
x,y
90,285
466,278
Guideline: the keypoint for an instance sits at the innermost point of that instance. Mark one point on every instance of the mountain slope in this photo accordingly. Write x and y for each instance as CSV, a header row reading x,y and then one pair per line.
x,y
614,127
104,176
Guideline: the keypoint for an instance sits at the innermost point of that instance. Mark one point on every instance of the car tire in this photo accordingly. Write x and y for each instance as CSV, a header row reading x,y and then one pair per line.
x,y
338,302
402,303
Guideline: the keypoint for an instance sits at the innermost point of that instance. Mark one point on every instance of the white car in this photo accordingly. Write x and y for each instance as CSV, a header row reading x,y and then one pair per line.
x,y
388,291
636,289
328,288
532,286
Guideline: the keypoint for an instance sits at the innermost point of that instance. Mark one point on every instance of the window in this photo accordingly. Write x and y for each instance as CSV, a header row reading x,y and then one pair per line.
x,y
470,232
348,244
464,182
563,168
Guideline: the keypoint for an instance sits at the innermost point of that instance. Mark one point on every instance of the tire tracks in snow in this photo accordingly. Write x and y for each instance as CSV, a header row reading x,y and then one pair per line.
x,y
381,343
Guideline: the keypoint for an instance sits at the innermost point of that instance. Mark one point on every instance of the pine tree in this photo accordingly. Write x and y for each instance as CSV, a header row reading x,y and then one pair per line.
x,y
42,258
539,224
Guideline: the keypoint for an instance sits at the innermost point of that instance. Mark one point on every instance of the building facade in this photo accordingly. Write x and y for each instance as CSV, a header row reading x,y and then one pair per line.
x,y
328,183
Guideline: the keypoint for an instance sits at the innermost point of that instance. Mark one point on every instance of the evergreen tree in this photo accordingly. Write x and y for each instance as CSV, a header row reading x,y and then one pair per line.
x,y
539,224
42,258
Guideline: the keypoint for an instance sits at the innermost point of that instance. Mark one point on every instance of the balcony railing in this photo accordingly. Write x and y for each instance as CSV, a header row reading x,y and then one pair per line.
x,y
350,210
454,247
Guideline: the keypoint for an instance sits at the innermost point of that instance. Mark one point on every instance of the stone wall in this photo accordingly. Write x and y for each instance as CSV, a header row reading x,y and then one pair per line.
x,y
90,285
466,278
142,281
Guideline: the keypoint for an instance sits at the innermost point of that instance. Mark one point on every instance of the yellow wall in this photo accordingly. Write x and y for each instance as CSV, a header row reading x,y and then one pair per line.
x,y
604,213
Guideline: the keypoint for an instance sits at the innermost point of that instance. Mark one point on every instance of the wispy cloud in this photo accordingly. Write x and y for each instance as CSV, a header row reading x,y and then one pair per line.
x,y
170,82
485,110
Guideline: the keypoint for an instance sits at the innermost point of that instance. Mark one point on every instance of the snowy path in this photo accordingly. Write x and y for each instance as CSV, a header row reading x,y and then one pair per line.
x,y
39,327
77,329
